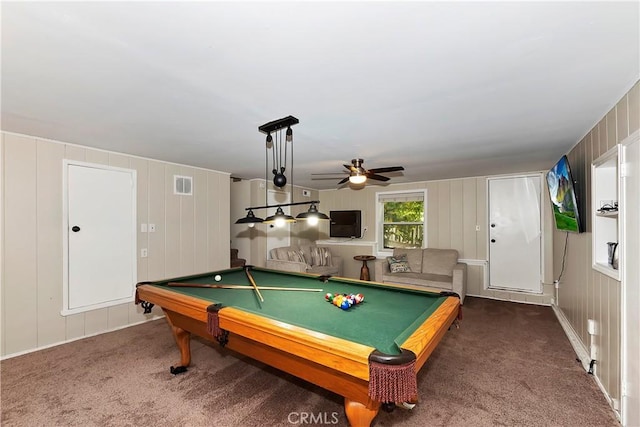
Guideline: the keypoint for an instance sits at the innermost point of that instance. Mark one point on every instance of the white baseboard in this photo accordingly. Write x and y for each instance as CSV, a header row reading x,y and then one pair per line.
x,y
583,355
581,351
32,350
508,300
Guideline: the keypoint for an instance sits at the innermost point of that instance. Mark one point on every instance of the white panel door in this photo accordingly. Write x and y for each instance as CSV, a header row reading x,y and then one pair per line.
x,y
631,282
278,236
514,234
100,236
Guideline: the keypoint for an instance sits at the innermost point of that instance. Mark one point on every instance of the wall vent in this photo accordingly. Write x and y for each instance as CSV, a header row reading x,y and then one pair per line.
x,y
182,185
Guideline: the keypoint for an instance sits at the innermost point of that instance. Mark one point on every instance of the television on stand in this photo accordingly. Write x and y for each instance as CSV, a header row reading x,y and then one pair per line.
x,y
346,224
564,198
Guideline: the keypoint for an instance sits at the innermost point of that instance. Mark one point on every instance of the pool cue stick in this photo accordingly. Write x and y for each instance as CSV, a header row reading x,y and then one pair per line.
x,y
253,283
216,286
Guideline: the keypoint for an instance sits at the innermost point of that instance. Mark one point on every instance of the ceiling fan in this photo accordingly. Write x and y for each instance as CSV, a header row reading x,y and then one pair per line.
x,y
359,175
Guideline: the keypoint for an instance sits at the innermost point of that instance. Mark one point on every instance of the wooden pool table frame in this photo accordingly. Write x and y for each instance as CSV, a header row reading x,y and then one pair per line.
x,y
333,363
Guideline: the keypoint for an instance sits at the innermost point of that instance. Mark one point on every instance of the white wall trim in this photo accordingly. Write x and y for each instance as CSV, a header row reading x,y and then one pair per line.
x,y
583,355
86,147
577,344
507,300
480,262
44,347
452,179
485,271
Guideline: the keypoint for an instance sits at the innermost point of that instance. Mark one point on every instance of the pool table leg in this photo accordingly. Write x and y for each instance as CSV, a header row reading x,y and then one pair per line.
x,y
183,340
359,414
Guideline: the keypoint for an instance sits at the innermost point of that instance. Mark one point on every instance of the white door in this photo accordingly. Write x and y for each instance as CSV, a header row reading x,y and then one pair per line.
x,y
631,283
514,233
100,237
278,236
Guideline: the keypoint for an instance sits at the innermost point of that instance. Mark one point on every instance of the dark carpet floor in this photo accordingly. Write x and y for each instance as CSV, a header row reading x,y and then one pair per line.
x,y
509,364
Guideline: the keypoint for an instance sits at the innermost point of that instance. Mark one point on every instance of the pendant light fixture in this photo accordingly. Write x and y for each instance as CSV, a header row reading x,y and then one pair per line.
x,y
312,216
281,152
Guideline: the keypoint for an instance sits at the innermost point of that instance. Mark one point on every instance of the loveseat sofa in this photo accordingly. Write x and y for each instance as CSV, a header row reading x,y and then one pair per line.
x,y
305,259
430,267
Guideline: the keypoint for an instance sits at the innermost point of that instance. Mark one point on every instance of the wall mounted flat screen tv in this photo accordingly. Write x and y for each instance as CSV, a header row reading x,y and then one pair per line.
x,y
345,224
564,199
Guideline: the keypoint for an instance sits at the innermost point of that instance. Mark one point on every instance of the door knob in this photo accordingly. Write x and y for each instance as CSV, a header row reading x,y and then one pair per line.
x,y
75,228
493,240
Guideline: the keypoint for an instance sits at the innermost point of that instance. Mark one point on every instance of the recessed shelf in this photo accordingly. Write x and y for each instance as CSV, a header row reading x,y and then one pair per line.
x,y
607,269
611,214
606,224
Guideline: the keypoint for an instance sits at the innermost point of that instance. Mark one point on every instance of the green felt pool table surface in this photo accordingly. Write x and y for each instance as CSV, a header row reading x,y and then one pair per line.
x,y
385,318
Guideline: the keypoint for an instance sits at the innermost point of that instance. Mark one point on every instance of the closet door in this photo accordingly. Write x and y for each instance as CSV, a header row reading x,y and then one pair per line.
x,y
100,236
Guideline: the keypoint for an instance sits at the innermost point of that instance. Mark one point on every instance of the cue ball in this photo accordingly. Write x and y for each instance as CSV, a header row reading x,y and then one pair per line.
x,y
217,278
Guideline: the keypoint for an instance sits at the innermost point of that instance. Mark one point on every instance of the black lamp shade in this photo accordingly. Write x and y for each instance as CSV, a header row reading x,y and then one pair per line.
x,y
279,215
250,219
312,212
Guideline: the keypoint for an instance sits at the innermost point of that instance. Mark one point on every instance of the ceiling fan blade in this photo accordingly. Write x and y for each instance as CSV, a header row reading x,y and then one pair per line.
x,y
389,169
328,173
377,177
343,181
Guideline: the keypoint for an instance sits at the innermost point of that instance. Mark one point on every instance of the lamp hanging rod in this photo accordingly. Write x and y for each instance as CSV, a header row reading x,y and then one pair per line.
x,y
312,202
278,124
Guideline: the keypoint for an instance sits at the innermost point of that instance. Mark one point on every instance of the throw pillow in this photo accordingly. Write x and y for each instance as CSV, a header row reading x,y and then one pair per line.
x,y
398,264
297,256
320,256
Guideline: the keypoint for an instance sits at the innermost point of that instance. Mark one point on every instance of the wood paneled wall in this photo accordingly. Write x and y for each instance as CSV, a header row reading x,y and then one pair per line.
x,y
192,235
585,293
454,208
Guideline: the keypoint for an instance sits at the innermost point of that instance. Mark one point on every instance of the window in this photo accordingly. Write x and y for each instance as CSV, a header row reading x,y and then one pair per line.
x,y
401,220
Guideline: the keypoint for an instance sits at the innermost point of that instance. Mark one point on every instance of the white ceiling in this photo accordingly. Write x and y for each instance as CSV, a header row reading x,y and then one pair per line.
x,y
445,89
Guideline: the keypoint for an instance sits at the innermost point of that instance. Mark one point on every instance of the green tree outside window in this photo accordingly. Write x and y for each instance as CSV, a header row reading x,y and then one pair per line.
x,y
403,225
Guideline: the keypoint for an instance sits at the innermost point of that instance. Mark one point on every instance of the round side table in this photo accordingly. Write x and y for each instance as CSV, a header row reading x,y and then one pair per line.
x,y
364,271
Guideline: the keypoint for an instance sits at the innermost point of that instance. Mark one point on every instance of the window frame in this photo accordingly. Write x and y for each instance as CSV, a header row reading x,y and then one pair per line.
x,y
382,252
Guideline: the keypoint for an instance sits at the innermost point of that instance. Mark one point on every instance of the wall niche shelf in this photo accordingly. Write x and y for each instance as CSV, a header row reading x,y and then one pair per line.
x,y
613,214
605,190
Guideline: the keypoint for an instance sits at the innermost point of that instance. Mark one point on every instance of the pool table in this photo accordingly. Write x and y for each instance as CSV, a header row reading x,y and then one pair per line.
x,y
370,353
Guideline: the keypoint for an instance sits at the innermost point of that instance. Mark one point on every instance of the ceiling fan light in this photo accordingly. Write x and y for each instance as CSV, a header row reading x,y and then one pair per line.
x,y
357,179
